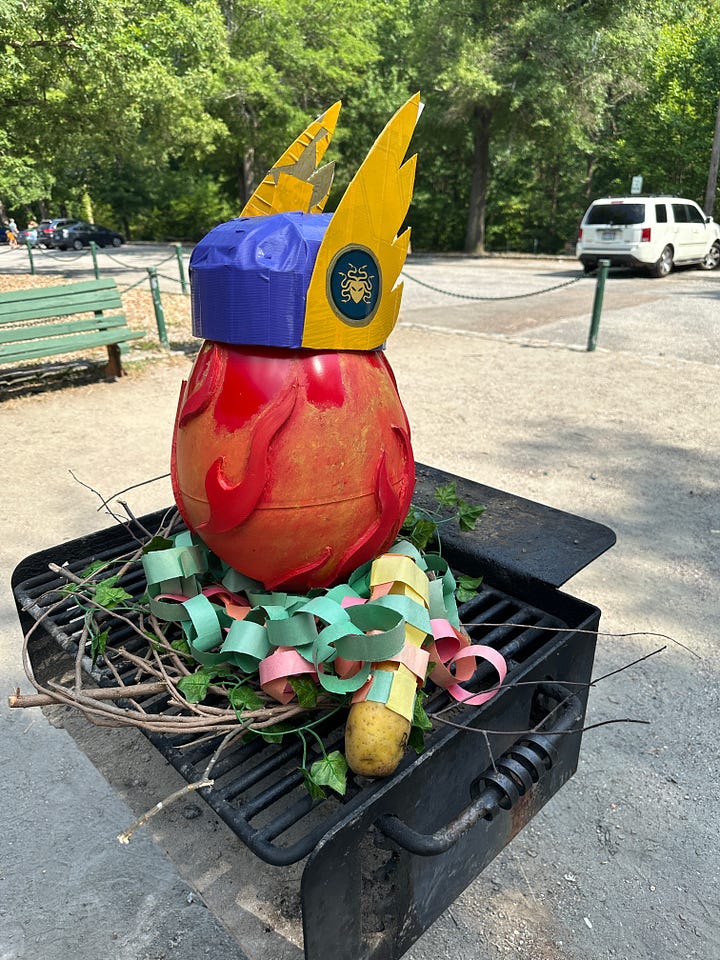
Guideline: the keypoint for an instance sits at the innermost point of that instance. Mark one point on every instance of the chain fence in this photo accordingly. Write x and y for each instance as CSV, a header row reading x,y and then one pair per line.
x,y
154,276
470,296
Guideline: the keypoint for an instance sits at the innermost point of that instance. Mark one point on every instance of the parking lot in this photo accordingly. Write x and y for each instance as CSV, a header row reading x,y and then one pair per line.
x,y
549,301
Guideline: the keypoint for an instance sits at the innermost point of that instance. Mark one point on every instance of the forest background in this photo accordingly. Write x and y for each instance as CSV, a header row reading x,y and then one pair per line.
x,y
158,117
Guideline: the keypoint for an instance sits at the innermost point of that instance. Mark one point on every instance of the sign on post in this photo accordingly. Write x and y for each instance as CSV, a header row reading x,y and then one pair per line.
x,y
636,185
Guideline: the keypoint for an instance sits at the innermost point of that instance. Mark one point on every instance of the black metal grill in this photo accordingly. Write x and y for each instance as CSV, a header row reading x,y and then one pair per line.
x,y
453,807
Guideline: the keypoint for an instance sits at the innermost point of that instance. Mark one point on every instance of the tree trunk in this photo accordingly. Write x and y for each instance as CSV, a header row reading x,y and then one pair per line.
x,y
475,236
247,176
589,173
713,171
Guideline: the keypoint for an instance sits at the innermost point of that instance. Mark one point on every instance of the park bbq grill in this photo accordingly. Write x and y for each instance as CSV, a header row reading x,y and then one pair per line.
x,y
382,862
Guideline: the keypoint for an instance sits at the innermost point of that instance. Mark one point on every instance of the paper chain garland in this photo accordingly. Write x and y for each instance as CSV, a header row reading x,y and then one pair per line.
x,y
332,636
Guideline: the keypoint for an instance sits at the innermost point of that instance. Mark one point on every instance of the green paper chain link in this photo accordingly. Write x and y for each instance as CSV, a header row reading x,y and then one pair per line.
x,y
315,625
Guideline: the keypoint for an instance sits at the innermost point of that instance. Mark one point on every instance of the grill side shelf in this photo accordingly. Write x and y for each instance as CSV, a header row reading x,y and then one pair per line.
x,y
517,541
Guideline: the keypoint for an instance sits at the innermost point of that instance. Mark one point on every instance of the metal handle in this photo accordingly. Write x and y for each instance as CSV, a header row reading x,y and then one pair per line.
x,y
510,777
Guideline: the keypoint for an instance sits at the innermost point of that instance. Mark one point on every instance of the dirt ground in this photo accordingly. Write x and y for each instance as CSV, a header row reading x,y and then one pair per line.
x,y
624,862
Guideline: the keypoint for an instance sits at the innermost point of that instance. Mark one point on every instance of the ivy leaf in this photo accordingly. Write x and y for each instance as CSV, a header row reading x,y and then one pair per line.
x,y
420,723
420,718
108,595
181,645
243,697
195,686
314,789
306,691
423,532
468,515
276,733
447,494
92,569
157,543
416,739
410,520
98,642
467,588
331,772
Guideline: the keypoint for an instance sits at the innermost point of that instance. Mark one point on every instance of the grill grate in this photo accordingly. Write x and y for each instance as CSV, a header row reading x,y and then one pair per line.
x,y
259,787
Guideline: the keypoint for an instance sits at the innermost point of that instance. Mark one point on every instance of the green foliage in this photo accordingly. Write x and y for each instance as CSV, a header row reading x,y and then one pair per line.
x,y
104,592
330,771
467,588
195,686
98,642
306,691
420,723
422,527
160,116
243,697
110,596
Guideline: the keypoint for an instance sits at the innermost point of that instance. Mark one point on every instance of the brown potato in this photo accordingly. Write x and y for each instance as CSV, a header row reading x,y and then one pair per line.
x,y
375,738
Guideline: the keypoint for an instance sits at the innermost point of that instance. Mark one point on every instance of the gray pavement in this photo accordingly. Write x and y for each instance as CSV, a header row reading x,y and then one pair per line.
x,y
624,861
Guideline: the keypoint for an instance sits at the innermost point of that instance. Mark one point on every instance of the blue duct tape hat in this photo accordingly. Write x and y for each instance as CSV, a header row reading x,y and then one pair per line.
x,y
250,277
285,274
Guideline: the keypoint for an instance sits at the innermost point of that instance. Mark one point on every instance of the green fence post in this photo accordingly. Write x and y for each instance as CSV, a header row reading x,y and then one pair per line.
x,y
181,267
157,304
603,267
93,251
30,257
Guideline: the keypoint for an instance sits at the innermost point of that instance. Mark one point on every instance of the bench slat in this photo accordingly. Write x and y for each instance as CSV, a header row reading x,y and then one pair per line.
x,y
58,335
61,345
44,330
29,294
55,303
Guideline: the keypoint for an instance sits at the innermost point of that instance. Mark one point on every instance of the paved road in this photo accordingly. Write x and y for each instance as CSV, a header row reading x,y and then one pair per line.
x,y
546,300
550,301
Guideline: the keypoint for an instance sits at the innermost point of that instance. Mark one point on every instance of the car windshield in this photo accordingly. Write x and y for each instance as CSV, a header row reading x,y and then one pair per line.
x,y
617,214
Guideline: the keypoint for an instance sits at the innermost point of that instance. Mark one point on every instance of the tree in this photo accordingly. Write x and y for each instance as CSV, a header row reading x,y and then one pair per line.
x,y
98,97
665,132
510,75
291,59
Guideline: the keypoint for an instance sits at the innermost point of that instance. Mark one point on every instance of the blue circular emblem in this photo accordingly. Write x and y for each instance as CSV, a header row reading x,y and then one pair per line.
x,y
354,286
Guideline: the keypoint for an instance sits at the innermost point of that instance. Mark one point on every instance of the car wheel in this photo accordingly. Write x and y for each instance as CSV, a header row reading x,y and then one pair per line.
x,y
77,244
664,264
712,258
116,242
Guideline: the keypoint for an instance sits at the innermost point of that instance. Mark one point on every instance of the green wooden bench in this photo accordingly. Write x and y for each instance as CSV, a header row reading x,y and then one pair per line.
x,y
23,337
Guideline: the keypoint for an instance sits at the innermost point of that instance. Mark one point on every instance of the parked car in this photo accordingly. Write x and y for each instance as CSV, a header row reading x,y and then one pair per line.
x,y
78,234
46,229
652,232
28,236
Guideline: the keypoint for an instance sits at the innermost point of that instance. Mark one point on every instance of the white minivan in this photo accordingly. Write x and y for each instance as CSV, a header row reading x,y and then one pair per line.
x,y
650,232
